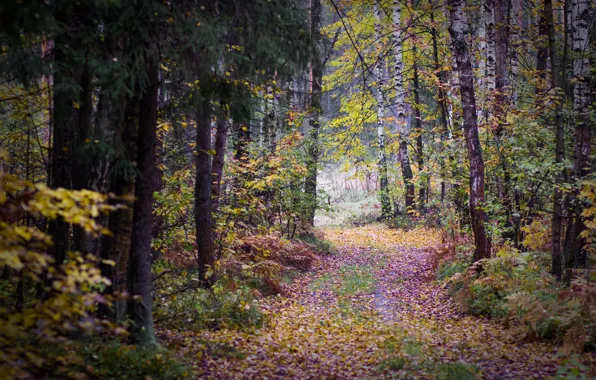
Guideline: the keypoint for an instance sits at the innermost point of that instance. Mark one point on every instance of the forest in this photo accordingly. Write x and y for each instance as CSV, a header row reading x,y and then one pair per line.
x,y
309,189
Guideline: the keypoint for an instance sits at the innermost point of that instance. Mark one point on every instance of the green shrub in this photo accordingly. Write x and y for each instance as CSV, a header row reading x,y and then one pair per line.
x,y
486,300
117,361
457,371
519,290
448,269
227,309
393,363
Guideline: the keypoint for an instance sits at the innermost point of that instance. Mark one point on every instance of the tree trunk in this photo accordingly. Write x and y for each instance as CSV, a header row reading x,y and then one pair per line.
x,y
204,228
382,163
581,18
316,66
559,146
400,102
441,99
419,144
515,28
221,137
64,119
117,246
489,22
140,277
457,29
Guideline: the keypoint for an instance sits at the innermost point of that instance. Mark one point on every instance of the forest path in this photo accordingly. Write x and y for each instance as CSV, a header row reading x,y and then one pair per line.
x,y
372,311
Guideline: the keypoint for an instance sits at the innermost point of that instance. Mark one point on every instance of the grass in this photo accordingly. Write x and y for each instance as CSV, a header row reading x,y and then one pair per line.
x,y
349,280
457,371
356,279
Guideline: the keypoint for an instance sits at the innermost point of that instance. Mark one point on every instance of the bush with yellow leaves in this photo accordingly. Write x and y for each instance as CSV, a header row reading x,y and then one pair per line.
x,y
67,293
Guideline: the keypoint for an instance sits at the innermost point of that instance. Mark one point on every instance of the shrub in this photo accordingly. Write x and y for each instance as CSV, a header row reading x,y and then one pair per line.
x,y
117,361
518,290
236,310
448,269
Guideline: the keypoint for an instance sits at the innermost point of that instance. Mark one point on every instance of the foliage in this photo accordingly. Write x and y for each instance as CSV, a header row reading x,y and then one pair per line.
x,y
113,360
518,290
72,290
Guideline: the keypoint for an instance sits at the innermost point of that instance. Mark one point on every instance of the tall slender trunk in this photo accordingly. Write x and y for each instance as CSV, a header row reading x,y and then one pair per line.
x,y
489,21
441,99
203,210
501,105
559,145
139,274
316,67
419,144
457,29
400,102
515,28
380,94
542,52
581,16
221,137
64,120
81,164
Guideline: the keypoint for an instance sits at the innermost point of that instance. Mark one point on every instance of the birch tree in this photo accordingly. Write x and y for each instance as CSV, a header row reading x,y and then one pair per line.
x,y
400,102
380,97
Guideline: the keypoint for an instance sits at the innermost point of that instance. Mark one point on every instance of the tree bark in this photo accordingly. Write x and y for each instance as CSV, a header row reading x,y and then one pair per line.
x,y
316,67
140,277
458,29
203,210
382,163
221,137
581,16
419,144
400,102
441,100
559,145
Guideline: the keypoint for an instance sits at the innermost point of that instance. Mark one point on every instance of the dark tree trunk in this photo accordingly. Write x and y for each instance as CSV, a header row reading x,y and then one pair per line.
x,y
457,29
221,137
140,277
117,246
559,146
204,228
442,99
64,120
542,53
241,134
500,108
80,164
316,66
419,145
582,17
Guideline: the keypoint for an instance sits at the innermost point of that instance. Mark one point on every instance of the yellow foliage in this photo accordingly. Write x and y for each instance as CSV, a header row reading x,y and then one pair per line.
x,y
72,289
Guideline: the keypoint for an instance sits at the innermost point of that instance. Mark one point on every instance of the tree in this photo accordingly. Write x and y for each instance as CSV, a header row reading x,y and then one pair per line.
x,y
316,78
140,277
381,101
559,145
400,101
458,28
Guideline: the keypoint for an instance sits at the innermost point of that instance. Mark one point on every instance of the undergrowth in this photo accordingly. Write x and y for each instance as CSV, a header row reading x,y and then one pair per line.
x,y
518,290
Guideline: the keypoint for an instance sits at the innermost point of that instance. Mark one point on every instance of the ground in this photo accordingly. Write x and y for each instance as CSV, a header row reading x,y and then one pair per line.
x,y
372,310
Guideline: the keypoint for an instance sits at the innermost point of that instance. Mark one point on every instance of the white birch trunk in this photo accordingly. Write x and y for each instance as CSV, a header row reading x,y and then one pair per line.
x,y
380,95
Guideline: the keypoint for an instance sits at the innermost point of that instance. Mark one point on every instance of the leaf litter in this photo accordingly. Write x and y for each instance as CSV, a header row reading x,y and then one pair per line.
x,y
370,311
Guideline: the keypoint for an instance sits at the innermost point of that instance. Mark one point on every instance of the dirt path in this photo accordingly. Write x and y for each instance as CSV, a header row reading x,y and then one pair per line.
x,y
372,311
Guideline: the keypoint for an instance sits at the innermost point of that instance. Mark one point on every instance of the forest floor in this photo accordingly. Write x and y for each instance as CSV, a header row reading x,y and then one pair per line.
x,y
372,310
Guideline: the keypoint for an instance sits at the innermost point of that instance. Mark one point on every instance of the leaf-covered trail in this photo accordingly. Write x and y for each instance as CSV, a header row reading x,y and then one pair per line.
x,y
370,311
